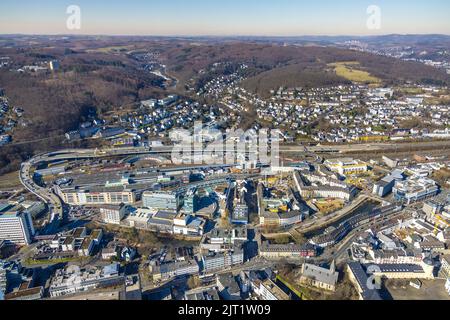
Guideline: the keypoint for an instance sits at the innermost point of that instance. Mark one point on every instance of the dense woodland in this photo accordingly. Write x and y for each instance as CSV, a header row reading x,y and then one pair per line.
x,y
274,66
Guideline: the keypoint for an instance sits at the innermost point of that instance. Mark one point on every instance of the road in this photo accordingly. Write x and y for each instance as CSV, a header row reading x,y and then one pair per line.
x,y
327,220
337,252
254,264
48,196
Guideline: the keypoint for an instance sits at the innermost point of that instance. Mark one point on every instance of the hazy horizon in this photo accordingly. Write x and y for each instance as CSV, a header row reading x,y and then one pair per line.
x,y
197,18
223,36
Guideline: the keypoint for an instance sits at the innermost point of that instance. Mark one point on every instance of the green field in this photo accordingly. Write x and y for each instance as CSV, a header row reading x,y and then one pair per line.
x,y
111,49
348,71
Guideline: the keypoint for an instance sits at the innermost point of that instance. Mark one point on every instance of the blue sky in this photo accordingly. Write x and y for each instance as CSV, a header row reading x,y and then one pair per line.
x,y
230,17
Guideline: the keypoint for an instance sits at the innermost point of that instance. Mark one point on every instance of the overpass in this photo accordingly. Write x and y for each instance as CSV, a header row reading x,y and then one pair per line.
x,y
47,196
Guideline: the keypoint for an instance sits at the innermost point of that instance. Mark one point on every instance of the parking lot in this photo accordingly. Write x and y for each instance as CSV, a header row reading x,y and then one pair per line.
x,y
431,290
76,213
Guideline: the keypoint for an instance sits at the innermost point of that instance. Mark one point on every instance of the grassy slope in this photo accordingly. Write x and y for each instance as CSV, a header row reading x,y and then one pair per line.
x,y
350,71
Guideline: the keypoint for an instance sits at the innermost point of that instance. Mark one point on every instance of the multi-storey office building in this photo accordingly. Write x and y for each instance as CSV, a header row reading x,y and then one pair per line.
x,y
346,166
223,260
97,196
161,200
16,227
415,189
73,279
113,214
